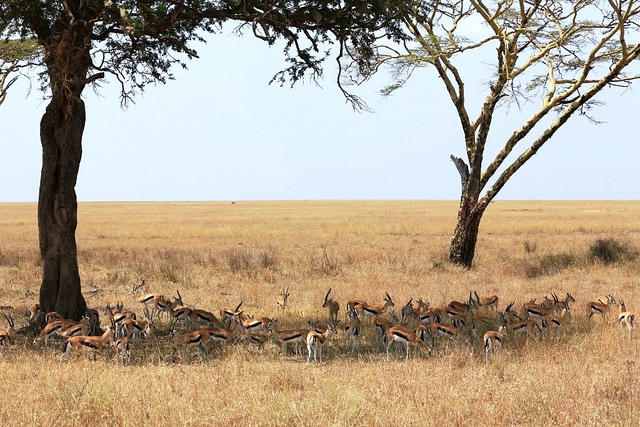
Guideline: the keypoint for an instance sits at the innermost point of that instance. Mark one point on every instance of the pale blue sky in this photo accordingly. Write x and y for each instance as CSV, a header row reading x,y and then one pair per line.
x,y
220,132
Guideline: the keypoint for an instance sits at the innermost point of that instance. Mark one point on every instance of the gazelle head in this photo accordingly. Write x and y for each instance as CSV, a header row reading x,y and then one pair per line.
x,y
388,300
327,300
281,301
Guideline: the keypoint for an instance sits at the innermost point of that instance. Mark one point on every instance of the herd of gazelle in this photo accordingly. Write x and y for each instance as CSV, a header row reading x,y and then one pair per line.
x,y
419,325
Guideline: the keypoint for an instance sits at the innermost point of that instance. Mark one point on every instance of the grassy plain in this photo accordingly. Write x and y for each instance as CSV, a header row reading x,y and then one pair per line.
x,y
218,254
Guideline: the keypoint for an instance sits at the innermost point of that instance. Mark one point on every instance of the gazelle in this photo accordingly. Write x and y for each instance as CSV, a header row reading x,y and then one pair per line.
x,y
352,329
164,306
87,345
281,301
192,339
60,327
254,325
134,329
34,312
227,313
556,320
197,316
365,309
119,315
601,306
382,324
287,336
123,348
331,305
225,335
316,340
490,301
406,336
160,303
625,318
7,336
492,342
514,324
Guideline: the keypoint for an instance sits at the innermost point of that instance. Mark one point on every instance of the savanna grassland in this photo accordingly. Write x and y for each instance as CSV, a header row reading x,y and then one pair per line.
x,y
218,254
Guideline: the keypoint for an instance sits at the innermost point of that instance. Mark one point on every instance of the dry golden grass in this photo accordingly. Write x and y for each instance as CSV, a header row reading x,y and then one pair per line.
x,y
218,254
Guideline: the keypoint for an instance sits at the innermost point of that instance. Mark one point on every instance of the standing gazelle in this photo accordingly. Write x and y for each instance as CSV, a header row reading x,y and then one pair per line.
x,y
492,342
626,318
317,340
281,301
331,305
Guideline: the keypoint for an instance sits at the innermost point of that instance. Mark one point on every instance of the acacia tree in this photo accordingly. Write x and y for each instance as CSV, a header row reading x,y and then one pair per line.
x,y
550,56
14,55
137,42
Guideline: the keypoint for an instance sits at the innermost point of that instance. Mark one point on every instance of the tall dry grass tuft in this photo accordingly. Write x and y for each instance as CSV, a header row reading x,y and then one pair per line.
x,y
219,254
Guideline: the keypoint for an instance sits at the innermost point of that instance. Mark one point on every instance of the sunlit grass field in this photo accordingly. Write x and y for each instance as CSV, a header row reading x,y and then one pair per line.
x,y
219,254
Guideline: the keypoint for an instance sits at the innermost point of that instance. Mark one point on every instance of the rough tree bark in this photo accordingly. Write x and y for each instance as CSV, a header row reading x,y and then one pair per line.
x,y
463,244
68,60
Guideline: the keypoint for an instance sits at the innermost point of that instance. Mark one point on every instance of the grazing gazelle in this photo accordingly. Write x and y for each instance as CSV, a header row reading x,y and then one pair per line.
x,y
316,340
491,301
492,342
331,305
406,336
365,309
87,345
281,301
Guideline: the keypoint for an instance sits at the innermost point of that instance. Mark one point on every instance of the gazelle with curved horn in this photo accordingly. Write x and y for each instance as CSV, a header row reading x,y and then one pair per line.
x,y
287,336
281,301
316,340
490,301
331,305
227,313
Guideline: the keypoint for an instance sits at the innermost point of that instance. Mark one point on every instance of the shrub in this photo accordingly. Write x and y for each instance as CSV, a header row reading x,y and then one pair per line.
x,y
609,251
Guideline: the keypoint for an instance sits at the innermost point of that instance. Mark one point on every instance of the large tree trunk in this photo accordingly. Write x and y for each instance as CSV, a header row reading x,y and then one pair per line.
x,y
67,57
61,139
465,236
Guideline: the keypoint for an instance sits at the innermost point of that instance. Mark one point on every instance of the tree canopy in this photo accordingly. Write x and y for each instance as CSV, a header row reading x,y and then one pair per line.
x,y
138,42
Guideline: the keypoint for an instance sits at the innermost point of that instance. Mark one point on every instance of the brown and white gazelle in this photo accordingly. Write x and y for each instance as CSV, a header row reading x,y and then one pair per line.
x,y
626,318
492,342
601,306
404,335
87,345
287,336
316,340
331,305
365,309
281,301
